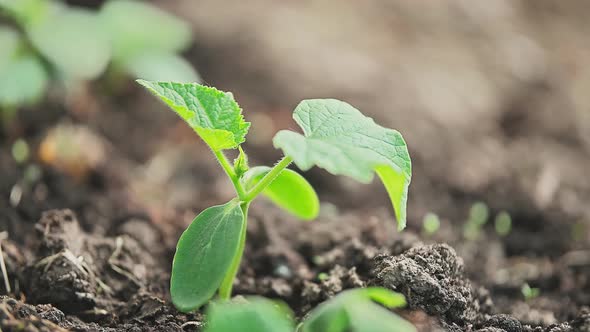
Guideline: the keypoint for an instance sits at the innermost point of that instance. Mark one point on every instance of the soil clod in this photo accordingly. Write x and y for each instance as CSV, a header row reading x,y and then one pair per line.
x,y
431,277
504,322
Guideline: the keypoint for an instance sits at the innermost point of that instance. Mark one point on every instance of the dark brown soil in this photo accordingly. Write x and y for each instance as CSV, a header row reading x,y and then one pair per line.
x,y
90,248
100,262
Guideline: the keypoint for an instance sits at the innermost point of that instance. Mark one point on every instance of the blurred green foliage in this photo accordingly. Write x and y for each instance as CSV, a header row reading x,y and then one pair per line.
x,y
45,42
529,292
430,224
478,217
20,151
503,223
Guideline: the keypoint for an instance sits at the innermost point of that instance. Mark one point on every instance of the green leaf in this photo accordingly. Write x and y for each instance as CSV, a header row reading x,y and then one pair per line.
x,y
22,81
354,310
73,41
289,190
26,12
374,318
340,139
330,318
148,30
10,41
213,114
255,314
203,255
161,67
385,297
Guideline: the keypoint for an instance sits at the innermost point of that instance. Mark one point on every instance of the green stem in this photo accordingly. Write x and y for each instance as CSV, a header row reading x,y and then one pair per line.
x,y
226,286
229,170
225,289
268,178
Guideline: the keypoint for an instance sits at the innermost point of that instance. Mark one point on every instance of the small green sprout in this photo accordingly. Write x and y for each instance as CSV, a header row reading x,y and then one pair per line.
x,y
352,310
503,223
478,217
336,137
20,151
479,213
430,224
529,292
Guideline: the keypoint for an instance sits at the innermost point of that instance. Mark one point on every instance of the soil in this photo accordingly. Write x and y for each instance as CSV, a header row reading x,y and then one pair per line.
x,y
88,236
101,263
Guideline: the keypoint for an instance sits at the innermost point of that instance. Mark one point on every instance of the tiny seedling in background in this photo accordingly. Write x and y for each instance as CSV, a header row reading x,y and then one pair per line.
x,y
336,137
529,292
430,224
20,151
361,309
479,213
503,223
478,217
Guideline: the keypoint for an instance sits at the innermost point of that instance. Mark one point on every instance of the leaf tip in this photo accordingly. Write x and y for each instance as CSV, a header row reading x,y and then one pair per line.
x,y
401,218
314,210
146,84
183,308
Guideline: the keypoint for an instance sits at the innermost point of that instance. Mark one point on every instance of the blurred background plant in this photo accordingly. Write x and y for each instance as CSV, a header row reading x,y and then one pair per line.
x,y
49,45
430,224
478,217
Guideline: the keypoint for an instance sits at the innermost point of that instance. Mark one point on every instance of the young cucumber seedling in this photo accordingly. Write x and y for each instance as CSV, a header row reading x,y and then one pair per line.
x,y
336,137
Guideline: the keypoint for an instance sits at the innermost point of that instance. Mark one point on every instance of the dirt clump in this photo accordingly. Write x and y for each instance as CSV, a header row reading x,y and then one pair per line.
x,y
101,279
432,279
15,315
503,322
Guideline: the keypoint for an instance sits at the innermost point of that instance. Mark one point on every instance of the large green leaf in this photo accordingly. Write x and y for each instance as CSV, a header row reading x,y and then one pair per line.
x,y
26,12
356,311
213,114
138,28
254,314
10,41
161,67
204,254
22,81
340,139
289,190
73,41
